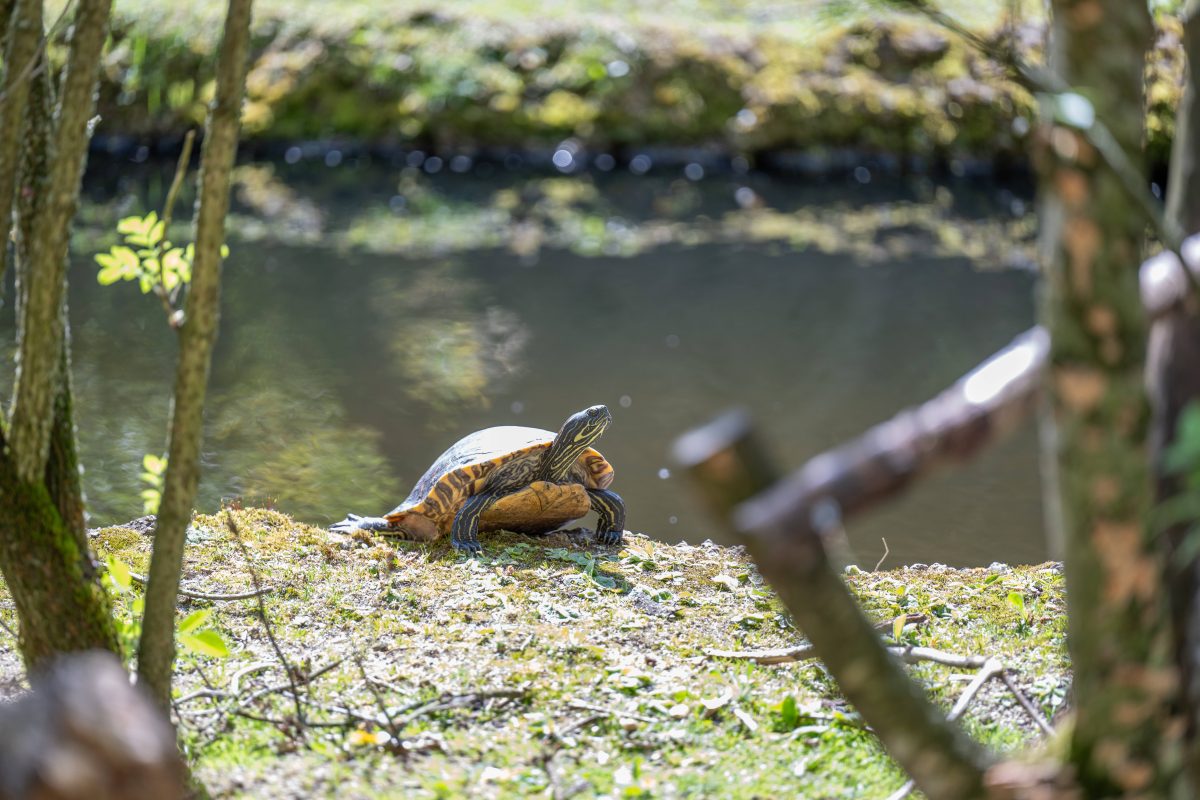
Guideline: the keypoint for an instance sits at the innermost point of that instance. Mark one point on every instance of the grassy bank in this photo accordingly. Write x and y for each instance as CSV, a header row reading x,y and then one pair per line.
x,y
552,664
745,77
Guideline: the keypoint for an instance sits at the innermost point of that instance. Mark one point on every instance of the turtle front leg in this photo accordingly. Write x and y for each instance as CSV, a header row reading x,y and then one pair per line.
x,y
610,508
464,534
353,522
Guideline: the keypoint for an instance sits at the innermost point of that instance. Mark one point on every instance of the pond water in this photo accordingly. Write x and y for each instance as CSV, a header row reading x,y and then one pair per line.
x,y
372,316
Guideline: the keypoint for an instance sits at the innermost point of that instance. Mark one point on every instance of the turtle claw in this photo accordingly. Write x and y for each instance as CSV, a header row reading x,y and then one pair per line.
x,y
611,538
353,522
470,548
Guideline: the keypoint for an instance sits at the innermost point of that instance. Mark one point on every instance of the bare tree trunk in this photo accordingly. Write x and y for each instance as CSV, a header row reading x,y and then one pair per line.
x,y
1173,381
156,653
1126,740
23,38
39,354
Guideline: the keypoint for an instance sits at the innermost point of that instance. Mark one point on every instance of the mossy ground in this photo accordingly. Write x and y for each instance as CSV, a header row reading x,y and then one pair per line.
x,y
606,644
746,77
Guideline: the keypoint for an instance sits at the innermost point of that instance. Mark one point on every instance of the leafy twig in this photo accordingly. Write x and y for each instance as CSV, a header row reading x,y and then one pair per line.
x,y
181,167
1040,80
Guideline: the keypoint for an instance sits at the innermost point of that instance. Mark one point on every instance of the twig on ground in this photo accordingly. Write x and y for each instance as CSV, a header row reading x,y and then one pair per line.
x,y
990,668
906,653
447,702
883,557
1027,704
197,595
262,615
391,727
612,712
887,625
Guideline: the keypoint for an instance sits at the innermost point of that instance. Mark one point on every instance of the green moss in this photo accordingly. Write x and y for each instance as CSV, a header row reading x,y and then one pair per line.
x,y
506,75
623,630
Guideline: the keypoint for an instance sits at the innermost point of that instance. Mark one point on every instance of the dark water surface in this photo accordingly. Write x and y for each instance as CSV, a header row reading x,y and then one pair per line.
x,y
342,372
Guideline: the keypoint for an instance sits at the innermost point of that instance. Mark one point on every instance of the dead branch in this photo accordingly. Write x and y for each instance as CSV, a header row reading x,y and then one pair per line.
x,y
725,459
978,409
805,652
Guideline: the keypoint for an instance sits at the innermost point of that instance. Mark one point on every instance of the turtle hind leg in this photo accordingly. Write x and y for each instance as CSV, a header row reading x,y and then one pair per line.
x,y
610,508
353,522
464,533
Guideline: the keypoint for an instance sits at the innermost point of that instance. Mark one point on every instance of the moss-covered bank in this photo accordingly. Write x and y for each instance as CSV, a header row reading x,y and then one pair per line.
x,y
550,665
513,75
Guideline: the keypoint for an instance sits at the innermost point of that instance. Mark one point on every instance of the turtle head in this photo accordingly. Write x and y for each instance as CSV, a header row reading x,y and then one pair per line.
x,y
577,434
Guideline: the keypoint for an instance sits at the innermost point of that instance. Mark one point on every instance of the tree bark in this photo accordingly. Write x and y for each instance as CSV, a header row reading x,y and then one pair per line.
x,y
39,353
156,654
23,38
84,733
1183,182
1125,740
44,554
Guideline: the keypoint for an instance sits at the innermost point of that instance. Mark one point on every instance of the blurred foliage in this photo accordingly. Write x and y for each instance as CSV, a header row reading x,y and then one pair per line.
x,y
761,76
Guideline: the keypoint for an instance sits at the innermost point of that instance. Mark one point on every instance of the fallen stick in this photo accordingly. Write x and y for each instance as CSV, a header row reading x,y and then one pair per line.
x,y
197,595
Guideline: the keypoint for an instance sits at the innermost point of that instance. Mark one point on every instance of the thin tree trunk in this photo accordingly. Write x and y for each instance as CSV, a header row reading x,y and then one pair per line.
x,y
1173,382
156,653
6,17
1183,183
23,37
1125,740
39,353
44,554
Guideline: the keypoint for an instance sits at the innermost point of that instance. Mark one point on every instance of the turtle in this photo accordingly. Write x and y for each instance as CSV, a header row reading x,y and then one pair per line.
x,y
509,477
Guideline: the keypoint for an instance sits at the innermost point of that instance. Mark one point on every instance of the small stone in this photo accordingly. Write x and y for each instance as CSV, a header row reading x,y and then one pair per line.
x,y
999,567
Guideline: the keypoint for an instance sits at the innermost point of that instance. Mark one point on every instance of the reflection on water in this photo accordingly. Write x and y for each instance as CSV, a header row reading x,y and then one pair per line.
x,y
342,372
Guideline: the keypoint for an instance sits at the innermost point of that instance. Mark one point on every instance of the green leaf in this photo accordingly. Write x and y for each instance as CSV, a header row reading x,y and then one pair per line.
x,y
789,716
206,643
133,225
194,620
154,464
118,570
1017,601
155,234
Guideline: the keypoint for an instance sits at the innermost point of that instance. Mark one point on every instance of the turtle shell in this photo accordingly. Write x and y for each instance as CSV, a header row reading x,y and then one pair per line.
x,y
504,457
